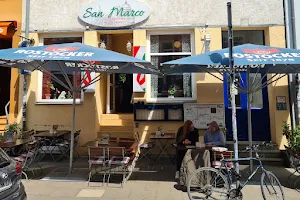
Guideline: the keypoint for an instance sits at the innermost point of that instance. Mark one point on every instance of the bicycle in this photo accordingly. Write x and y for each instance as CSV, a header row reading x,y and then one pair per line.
x,y
213,183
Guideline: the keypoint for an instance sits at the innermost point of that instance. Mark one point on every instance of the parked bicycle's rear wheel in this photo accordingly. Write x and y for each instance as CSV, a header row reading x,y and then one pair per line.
x,y
270,186
207,183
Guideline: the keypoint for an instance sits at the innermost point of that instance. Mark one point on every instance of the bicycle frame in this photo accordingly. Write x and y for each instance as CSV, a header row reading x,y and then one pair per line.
x,y
229,178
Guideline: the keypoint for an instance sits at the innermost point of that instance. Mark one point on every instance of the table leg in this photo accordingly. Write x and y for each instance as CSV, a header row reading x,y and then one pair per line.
x,y
163,148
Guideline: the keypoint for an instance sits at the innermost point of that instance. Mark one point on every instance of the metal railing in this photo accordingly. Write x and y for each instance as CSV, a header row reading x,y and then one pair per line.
x,y
6,112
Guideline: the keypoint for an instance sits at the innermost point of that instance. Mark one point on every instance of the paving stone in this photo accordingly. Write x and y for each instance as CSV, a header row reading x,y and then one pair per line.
x,y
116,193
91,193
65,192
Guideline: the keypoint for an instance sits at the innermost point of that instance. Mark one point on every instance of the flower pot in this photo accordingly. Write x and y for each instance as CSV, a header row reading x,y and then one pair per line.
x,y
48,96
171,96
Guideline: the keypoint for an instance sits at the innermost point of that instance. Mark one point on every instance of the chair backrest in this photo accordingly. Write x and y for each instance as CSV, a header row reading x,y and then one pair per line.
x,y
96,152
116,151
137,137
221,152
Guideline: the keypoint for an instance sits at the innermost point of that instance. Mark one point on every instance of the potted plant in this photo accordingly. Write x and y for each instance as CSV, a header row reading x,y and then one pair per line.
x,y
48,87
171,92
11,131
293,139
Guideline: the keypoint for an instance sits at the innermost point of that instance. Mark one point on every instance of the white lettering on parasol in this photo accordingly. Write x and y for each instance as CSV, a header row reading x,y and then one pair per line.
x,y
54,53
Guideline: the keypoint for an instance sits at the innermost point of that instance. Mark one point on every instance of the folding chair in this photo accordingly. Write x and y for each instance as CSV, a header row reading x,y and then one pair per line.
x,y
117,159
97,160
220,153
65,146
144,148
29,158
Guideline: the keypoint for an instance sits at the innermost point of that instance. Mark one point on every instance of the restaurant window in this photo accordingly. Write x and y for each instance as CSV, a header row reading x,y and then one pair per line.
x,y
53,92
246,37
165,48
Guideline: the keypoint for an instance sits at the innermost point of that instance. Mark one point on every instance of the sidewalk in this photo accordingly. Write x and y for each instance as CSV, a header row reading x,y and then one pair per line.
x,y
133,190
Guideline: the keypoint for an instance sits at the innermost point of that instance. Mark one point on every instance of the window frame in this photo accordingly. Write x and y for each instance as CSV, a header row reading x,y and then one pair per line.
x,y
263,31
150,99
40,100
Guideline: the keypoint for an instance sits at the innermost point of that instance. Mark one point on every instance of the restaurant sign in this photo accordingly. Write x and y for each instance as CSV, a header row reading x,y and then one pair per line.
x,y
114,13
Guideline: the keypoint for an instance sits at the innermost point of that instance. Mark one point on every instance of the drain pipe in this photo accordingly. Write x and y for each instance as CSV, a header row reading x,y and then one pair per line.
x,y
289,24
27,16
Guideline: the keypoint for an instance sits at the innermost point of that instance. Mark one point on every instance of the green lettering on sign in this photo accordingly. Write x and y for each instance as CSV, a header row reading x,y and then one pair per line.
x,y
115,12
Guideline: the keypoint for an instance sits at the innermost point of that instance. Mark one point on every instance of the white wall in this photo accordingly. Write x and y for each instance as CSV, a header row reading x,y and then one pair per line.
x,y
61,15
297,23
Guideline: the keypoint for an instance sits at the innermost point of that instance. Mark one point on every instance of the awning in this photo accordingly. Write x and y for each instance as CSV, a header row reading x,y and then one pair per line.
x,y
7,27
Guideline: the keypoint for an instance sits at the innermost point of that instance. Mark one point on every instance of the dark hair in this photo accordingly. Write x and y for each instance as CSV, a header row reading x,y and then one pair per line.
x,y
186,127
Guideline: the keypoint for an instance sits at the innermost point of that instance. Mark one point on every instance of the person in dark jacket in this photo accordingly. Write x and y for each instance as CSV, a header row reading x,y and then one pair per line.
x,y
186,135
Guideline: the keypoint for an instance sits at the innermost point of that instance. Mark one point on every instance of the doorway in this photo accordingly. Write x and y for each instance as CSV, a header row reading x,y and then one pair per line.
x,y
119,86
5,75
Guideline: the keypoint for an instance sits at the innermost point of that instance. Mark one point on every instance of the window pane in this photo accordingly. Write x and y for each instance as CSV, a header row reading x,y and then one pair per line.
x,y
170,43
256,98
52,89
171,85
244,37
49,41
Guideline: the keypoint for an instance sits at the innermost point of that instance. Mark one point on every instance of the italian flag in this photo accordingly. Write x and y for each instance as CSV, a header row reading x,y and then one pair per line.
x,y
139,80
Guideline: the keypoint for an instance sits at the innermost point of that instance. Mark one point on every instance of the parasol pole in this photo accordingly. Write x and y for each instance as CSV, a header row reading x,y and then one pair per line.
x,y
232,86
249,119
74,91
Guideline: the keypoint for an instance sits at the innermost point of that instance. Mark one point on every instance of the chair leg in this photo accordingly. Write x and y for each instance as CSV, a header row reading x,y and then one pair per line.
x,y
25,175
109,174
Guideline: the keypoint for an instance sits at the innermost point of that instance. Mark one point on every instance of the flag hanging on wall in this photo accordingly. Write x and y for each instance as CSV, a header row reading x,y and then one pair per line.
x,y
139,80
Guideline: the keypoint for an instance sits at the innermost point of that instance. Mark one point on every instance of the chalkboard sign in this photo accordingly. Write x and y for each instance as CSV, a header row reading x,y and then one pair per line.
x,y
202,114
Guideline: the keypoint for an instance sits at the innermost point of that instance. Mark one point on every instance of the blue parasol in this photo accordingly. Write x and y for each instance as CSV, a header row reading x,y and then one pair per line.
x,y
73,57
255,58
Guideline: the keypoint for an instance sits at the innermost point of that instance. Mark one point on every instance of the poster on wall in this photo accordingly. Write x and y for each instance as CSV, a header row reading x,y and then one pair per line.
x,y
117,13
139,80
87,77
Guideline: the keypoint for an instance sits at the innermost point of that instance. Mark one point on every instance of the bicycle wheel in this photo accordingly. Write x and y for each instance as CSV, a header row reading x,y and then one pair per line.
x,y
297,184
270,186
207,183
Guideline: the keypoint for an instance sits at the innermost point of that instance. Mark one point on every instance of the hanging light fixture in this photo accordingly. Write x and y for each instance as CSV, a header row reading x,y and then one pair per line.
x,y
102,44
129,46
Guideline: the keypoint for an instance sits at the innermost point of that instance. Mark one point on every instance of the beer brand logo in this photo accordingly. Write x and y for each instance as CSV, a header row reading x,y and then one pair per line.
x,y
261,51
61,49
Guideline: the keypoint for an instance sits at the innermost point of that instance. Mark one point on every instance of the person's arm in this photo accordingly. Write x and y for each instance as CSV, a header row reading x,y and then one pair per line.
x,y
221,140
195,137
179,138
205,137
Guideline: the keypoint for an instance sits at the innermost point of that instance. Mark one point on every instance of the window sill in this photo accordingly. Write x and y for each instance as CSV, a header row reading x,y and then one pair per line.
x,y
171,100
58,102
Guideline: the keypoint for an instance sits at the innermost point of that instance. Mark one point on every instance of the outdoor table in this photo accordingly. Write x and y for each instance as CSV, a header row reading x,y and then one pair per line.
x,y
125,144
51,138
162,142
10,146
47,134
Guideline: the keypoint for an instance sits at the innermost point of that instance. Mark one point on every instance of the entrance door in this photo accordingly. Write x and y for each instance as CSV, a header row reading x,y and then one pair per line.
x,y
123,88
259,111
5,74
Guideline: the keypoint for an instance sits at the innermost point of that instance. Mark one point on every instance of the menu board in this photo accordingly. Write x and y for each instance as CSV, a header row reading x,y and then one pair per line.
x,y
202,114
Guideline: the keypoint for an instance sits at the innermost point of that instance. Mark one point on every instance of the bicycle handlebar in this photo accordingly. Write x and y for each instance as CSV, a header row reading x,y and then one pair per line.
x,y
256,146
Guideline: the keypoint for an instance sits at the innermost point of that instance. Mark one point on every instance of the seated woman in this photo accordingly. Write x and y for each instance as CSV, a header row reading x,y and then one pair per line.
x,y
214,136
186,135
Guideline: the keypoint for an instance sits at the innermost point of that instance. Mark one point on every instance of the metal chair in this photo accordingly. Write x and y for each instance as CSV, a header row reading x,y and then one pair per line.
x,y
65,146
29,158
117,159
97,160
144,148
221,153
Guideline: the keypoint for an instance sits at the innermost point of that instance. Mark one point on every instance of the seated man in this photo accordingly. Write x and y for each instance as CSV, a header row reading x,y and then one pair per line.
x,y
186,135
214,136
